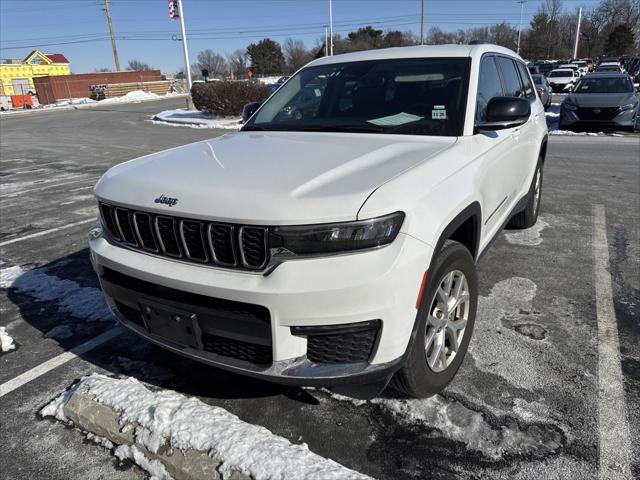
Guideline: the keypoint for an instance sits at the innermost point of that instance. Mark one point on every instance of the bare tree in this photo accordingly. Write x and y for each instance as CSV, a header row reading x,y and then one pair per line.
x,y
138,66
295,54
213,62
238,63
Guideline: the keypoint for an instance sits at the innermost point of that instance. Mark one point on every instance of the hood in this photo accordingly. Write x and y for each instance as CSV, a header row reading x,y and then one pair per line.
x,y
273,178
602,99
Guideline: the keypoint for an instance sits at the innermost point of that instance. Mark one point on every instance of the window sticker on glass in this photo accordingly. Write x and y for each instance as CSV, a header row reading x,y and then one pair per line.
x,y
397,119
438,113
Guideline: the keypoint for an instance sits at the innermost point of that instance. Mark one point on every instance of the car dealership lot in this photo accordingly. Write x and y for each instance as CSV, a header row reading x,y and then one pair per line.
x,y
525,403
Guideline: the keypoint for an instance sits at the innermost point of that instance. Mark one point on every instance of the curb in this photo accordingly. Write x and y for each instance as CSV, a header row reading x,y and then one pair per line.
x,y
102,420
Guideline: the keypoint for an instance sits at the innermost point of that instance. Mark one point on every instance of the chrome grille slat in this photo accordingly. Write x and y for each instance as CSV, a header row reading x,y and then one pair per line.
x,y
239,247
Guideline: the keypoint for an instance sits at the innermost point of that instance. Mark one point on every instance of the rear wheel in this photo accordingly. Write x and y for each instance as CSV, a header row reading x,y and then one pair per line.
x,y
445,324
529,216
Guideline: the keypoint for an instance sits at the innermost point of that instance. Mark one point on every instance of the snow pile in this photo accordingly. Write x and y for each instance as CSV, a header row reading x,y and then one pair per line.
x,y
195,119
132,97
187,423
6,342
70,297
529,237
154,467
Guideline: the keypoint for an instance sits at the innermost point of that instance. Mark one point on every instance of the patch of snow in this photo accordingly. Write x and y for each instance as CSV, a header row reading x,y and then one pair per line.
x,y
73,101
551,114
6,341
187,423
154,467
529,237
570,133
459,423
60,332
70,297
8,275
104,442
270,80
195,119
135,96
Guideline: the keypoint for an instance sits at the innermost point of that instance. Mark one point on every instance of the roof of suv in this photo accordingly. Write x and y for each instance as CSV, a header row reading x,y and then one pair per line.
x,y
418,51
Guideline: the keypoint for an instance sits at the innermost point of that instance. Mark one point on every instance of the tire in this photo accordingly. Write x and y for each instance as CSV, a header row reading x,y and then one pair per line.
x,y
529,216
425,373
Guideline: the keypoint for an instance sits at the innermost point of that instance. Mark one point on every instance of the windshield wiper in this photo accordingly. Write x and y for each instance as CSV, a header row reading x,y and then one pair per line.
x,y
342,128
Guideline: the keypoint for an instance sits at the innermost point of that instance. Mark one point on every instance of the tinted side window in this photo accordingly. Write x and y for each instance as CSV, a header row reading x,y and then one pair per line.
x,y
489,86
512,86
529,91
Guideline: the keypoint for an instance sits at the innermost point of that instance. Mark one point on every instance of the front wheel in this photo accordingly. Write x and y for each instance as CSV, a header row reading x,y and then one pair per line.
x,y
445,324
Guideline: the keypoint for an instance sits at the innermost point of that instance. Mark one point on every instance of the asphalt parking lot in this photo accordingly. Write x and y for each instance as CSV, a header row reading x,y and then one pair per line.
x,y
525,404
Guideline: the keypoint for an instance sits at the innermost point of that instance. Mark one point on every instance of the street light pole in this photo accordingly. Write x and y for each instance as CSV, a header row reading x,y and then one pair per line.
x,y
521,2
331,27
185,51
422,22
575,46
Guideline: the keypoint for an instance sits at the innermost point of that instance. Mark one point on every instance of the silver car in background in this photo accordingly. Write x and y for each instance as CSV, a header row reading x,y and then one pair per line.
x,y
601,100
543,88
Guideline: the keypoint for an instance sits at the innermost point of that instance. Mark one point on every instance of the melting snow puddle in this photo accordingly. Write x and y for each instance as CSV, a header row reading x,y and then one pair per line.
x,y
168,418
529,237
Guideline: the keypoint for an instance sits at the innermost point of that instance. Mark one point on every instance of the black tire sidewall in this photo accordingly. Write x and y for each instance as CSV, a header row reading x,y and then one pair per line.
x,y
426,381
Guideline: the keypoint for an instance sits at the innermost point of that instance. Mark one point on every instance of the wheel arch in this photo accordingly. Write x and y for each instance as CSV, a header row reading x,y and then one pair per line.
x,y
464,228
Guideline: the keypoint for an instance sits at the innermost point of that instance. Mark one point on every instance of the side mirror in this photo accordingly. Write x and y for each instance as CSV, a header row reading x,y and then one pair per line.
x,y
249,109
505,112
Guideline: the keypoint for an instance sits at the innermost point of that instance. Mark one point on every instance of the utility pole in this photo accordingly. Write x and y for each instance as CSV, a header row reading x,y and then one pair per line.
x,y
331,27
422,22
113,38
185,51
575,46
521,2
326,41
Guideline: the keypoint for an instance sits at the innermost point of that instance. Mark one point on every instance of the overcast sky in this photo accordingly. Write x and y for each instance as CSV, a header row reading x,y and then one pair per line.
x,y
78,28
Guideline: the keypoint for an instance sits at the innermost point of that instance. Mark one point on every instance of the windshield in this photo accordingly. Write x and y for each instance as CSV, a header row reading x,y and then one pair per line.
x,y
607,69
561,73
538,79
604,85
420,96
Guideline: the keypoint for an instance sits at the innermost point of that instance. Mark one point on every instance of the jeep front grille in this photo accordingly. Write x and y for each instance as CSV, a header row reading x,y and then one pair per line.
x,y
218,244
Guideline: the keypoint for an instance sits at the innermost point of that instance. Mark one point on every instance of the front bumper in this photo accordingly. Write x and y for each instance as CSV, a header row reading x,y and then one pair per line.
x,y
578,118
378,285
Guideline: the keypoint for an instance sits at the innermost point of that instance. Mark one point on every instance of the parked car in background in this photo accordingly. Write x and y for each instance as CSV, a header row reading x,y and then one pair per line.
x,y
582,66
545,68
609,67
561,78
543,88
601,100
533,69
571,66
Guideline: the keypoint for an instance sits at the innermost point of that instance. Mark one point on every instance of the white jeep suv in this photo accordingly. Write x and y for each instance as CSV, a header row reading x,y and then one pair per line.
x,y
333,240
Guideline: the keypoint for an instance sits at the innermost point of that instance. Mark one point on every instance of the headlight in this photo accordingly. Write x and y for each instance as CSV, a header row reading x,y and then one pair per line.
x,y
331,238
569,105
629,106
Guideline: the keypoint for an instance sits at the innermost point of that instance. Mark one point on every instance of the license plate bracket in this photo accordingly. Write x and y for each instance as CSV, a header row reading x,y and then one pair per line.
x,y
175,325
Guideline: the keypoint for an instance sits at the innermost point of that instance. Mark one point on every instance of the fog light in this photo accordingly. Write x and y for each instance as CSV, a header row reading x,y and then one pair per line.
x,y
95,233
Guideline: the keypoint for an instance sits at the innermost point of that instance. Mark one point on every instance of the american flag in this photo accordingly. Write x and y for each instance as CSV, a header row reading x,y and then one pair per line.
x,y
174,14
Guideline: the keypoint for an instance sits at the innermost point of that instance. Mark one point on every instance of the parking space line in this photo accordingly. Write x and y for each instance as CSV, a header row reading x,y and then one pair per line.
x,y
46,232
55,362
10,195
614,448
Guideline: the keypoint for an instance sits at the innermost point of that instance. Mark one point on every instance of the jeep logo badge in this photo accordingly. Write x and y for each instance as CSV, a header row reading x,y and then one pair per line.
x,y
166,200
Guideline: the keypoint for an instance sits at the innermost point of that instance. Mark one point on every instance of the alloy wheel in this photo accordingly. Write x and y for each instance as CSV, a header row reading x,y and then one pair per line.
x,y
447,320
